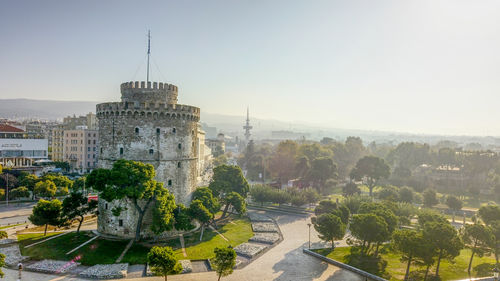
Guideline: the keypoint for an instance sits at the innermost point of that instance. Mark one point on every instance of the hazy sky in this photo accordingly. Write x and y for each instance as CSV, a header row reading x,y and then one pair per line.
x,y
413,66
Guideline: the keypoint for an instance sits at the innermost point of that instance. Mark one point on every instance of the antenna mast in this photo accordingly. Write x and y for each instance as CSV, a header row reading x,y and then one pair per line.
x,y
149,54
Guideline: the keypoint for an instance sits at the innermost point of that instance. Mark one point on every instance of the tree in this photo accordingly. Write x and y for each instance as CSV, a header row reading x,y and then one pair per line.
x,y
322,169
79,184
46,213
407,242
454,204
495,244
224,261
444,238
311,195
134,181
331,207
381,210
225,180
478,238
282,161
59,180
76,206
45,188
220,160
29,181
489,214
201,213
2,256
350,189
330,227
3,235
163,262
406,194
260,193
372,168
19,192
182,219
204,194
389,193
237,201
369,228
430,198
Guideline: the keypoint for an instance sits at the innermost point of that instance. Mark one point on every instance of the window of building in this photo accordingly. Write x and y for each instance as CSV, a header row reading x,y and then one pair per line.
x,y
169,182
121,150
94,141
120,222
173,130
137,130
179,146
151,151
88,148
101,150
178,164
158,131
88,164
106,206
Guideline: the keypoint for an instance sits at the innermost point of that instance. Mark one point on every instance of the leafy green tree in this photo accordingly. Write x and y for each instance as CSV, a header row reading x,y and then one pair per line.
x,y
331,207
224,261
59,180
495,244
382,211
204,194
133,181
220,160
354,202
430,198
389,193
237,201
79,183
350,189
310,195
330,227
280,197
225,180
76,206
29,181
478,238
369,228
425,255
2,256
182,218
454,204
201,213
163,211
163,262
47,213
407,242
62,191
372,168
406,194
45,188
302,167
445,240
19,192
282,161
489,214
321,170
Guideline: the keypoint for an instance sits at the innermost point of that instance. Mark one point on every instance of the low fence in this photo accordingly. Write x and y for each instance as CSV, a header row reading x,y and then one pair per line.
x,y
344,266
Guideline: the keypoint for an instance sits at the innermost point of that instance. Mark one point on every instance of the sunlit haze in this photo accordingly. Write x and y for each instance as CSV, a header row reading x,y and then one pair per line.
x,y
409,66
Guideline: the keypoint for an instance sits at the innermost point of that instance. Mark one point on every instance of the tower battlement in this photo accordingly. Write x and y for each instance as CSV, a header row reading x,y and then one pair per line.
x,y
142,91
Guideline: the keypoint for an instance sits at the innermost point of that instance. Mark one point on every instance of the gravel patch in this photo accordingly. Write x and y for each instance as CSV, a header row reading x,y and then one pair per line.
x,y
13,255
264,227
267,238
52,266
106,271
187,267
255,217
249,250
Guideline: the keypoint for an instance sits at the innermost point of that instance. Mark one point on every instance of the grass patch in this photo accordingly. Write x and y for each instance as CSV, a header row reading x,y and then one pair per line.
x,y
237,232
449,270
100,251
12,225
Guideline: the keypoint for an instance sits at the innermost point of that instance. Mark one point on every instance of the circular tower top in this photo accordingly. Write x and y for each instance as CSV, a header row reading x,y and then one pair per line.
x,y
141,91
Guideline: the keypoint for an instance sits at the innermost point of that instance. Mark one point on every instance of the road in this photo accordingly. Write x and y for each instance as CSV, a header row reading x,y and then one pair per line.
x,y
284,262
15,212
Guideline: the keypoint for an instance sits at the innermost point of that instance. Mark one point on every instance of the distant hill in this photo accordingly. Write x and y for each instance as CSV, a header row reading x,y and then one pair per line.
x,y
43,109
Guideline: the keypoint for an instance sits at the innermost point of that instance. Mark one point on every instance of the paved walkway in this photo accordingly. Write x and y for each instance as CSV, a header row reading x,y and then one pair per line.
x,y
282,263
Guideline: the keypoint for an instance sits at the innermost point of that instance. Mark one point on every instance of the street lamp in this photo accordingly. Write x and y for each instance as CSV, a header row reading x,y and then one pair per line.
x,y
496,271
309,224
20,268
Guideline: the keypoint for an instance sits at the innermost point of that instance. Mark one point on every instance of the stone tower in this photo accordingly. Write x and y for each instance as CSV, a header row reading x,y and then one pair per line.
x,y
148,126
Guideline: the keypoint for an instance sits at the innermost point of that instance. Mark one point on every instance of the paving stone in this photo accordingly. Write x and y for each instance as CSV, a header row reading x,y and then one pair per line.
x,y
249,250
13,255
267,238
52,266
256,217
264,227
106,271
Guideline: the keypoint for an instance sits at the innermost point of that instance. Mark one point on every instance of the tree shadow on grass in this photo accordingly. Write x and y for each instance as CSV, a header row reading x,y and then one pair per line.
x,y
367,262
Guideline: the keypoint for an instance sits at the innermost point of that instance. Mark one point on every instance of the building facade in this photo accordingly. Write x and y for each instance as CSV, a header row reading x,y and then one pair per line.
x,y
80,149
18,151
149,126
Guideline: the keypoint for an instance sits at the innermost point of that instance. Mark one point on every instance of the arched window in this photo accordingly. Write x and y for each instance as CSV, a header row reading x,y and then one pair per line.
x,y
178,164
169,182
121,150
179,146
151,151
137,130
173,130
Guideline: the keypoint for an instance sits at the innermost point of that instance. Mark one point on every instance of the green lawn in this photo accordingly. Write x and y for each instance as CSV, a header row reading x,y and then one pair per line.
x,y
457,269
97,252
236,233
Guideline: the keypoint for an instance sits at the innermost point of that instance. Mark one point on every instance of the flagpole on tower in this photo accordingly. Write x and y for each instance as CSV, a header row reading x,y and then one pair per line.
x,y
149,54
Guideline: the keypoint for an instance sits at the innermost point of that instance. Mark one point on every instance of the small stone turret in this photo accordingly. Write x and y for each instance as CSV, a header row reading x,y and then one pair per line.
x,y
140,91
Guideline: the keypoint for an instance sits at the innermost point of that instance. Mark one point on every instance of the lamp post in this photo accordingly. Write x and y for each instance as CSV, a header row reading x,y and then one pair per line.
x,y
20,268
309,224
496,271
